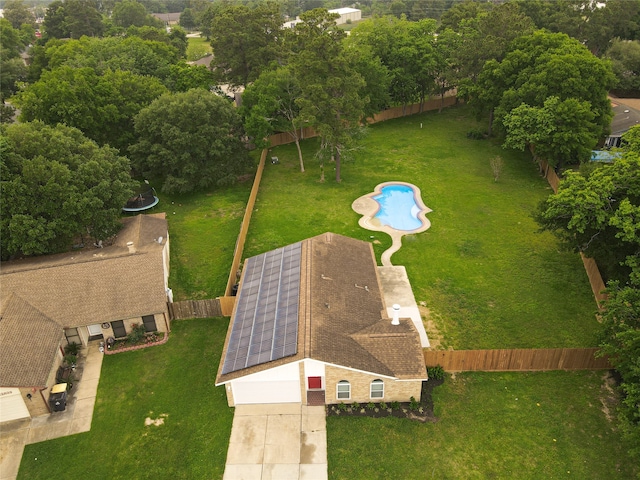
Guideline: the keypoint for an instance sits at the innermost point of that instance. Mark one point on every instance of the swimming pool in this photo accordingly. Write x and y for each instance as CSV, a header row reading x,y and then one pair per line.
x,y
395,208
398,208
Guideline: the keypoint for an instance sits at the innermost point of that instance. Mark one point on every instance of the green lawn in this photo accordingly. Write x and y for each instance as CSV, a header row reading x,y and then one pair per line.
x,y
174,381
490,425
489,278
203,229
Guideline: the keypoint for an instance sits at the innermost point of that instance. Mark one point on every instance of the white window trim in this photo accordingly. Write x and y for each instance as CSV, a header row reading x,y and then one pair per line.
x,y
371,391
338,392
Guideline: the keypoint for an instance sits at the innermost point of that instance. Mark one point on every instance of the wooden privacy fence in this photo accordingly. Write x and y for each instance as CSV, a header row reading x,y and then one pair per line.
x,y
244,227
211,307
395,112
516,360
590,266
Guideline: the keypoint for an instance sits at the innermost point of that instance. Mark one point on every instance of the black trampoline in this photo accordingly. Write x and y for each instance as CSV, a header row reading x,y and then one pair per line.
x,y
141,202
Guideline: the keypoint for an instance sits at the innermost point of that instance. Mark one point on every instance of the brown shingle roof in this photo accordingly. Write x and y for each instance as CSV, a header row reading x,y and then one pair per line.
x,y
29,341
342,316
41,296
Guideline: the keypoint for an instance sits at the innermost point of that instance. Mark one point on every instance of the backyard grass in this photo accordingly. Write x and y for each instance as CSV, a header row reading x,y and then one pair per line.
x,y
173,382
488,276
203,229
489,279
490,425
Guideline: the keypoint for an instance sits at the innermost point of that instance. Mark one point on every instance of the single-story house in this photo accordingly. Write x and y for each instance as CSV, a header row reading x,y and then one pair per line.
x,y
91,294
310,325
169,19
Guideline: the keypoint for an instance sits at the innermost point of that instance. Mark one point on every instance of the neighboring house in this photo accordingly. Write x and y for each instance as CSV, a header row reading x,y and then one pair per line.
x,y
310,325
92,294
624,117
169,19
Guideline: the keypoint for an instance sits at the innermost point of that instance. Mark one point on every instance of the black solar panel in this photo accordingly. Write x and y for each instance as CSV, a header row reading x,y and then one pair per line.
x,y
265,326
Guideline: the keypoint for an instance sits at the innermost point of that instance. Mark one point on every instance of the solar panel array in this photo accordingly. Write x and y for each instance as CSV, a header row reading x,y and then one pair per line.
x,y
265,326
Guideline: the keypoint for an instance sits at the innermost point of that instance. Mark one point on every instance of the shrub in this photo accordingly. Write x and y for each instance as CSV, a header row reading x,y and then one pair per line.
x,y
70,359
72,348
395,405
137,333
342,407
355,405
414,404
371,405
436,373
475,134
383,405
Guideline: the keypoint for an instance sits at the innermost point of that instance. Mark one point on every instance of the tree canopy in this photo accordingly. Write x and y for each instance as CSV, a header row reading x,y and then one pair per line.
x,y
193,140
330,99
57,186
73,19
101,106
245,40
543,65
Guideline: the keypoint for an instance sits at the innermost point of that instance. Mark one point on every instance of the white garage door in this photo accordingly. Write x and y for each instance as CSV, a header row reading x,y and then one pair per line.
x,y
276,391
12,405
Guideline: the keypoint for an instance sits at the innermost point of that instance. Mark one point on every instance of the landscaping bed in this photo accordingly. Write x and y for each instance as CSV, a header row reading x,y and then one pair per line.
x,y
421,411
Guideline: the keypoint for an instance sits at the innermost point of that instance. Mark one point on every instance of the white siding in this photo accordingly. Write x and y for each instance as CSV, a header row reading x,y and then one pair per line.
x,y
12,405
276,385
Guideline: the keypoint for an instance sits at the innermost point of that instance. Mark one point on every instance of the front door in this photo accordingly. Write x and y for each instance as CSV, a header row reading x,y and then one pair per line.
x,y
95,332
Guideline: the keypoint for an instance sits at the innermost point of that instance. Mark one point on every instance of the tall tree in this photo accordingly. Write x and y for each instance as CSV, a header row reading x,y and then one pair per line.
x,y
269,106
562,132
542,65
245,41
597,213
129,12
131,53
73,18
12,67
330,86
625,62
18,14
192,139
406,49
102,106
57,185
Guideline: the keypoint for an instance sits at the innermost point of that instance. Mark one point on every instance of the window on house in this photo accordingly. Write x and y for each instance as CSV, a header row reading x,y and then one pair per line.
x,y
377,389
344,390
149,322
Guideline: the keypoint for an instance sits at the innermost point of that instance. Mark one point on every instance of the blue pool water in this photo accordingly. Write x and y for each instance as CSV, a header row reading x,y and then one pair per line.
x,y
398,207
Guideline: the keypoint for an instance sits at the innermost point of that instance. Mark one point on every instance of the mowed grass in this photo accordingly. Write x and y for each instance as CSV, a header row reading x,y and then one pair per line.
x,y
490,425
173,382
203,229
488,276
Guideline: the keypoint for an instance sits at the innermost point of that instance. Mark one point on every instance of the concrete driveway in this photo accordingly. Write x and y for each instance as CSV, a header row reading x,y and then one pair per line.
x,y
75,419
286,441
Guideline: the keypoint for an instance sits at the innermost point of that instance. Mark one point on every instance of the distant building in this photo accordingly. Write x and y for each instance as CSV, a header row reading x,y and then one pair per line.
x,y
347,14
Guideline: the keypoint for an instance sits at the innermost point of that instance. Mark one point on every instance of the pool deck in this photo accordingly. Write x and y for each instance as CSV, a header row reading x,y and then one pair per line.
x,y
368,208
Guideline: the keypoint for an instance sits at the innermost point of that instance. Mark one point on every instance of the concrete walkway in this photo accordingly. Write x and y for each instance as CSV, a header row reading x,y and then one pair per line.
x,y
75,419
286,441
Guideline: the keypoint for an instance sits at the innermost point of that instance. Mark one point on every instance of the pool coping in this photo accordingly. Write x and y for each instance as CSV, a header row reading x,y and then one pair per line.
x,y
368,207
